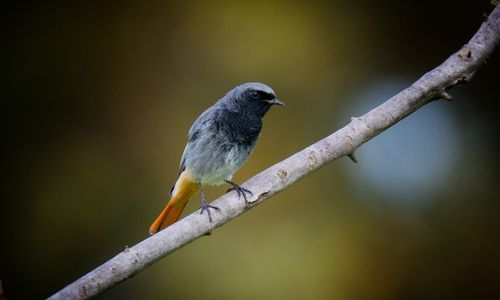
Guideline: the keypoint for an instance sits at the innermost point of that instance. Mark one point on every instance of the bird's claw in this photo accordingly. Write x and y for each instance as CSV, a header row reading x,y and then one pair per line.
x,y
240,190
207,207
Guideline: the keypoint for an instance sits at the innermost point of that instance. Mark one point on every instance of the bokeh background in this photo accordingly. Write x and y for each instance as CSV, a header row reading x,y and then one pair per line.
x,y
98,97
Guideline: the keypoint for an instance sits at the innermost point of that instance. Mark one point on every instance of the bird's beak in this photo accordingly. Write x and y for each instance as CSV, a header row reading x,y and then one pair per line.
x,y
275,102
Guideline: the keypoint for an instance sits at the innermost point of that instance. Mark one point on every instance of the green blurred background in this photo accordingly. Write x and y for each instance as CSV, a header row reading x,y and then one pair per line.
x,y
98,97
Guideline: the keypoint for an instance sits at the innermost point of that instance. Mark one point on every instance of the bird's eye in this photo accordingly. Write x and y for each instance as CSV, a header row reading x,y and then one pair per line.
x,y
254,95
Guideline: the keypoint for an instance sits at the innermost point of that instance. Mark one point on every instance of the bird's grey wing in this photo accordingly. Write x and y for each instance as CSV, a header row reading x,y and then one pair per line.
x,y
197,129
182,166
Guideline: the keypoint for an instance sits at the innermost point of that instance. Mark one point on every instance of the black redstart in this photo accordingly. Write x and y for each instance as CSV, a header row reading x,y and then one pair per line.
x,y
219,142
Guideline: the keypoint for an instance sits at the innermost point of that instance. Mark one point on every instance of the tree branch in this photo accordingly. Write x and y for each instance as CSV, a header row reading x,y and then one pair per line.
x,y
457,69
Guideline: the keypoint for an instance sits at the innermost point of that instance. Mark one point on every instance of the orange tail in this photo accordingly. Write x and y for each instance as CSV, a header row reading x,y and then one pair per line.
x,y
185,188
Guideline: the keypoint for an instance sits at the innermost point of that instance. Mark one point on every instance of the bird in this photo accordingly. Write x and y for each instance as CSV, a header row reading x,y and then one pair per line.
x,y
219,143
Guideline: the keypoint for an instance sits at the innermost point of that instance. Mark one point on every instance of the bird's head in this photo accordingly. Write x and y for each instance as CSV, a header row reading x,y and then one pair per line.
x,y
253,97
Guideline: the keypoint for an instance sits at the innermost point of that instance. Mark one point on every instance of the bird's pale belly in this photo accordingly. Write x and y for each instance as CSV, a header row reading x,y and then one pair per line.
x,y
222,167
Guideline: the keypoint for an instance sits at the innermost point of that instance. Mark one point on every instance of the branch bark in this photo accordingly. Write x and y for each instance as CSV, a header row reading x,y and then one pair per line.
x,y
459,68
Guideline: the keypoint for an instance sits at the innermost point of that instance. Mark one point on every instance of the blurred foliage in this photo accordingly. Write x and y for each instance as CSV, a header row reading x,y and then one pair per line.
x,y
97,101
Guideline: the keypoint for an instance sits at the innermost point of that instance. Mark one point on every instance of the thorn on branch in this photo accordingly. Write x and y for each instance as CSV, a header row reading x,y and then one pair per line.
x,y
352,157
495,2
444,95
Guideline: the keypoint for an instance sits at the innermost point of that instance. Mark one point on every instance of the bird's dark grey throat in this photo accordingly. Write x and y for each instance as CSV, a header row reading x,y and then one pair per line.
x,y
245,106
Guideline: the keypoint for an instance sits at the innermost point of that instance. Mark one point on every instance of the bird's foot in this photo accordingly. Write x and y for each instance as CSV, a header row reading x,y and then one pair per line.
x,y
207,207
240,190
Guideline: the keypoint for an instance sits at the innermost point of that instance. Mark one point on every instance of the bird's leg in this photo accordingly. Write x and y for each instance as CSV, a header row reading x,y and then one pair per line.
x,y
240,190
205,205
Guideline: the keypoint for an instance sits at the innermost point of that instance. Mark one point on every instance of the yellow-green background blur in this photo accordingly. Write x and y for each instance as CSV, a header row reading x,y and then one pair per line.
x,y
98,97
